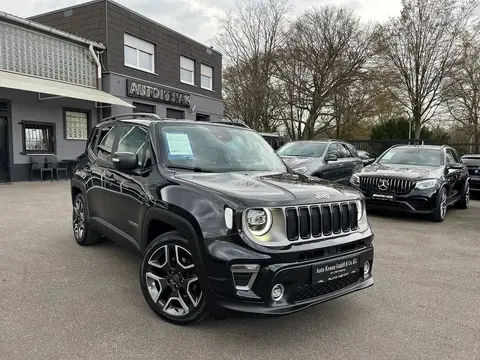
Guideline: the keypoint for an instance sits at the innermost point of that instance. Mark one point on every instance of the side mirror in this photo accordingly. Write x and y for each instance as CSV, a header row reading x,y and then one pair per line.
x,y
125,161
455,166
331,157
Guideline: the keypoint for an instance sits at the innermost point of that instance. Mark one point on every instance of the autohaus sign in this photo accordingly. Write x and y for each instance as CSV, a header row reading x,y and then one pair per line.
x,y
154,93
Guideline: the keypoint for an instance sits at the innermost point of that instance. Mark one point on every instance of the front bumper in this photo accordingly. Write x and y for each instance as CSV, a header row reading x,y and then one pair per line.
x,y
416,201
475,183
295,272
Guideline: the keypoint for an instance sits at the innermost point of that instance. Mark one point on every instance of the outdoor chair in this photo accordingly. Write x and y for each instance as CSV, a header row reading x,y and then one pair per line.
x,y
39,163
57,166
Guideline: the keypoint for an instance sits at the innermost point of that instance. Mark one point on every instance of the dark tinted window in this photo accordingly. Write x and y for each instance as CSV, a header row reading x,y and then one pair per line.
x,y
413,156
343,151
93,139
300,148
104,148
333,149
132,139
454,155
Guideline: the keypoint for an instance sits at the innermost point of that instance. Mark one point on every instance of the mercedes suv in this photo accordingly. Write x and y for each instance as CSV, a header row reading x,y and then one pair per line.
x,y
222,226
418,179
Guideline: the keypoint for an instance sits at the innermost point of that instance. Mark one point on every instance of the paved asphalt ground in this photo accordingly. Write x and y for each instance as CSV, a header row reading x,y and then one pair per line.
x,y
61,301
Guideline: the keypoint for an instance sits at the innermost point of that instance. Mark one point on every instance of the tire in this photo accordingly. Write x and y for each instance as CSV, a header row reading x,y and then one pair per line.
x,y
169,281
440,211
83,232
465,199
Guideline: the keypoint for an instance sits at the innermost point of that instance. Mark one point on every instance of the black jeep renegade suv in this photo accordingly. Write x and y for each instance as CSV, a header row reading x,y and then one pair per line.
x,y
220,222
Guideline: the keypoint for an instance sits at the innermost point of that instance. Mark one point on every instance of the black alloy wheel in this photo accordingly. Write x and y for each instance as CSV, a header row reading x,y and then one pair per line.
x,y
465,199
82,231
169,280
441,208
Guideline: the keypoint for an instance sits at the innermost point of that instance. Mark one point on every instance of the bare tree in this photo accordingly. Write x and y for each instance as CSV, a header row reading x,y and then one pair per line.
x,y
463,88
249,39
326,49
421,47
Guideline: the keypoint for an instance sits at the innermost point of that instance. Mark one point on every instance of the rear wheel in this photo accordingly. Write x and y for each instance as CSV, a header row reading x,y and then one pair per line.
x,y
440,211
465,199
169,280
82,230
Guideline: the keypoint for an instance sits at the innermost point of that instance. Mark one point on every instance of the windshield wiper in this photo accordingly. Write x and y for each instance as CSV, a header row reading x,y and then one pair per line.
x,y
191,168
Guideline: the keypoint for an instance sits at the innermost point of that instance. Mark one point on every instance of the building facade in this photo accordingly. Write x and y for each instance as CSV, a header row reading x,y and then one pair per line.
x,y
153,68
50,95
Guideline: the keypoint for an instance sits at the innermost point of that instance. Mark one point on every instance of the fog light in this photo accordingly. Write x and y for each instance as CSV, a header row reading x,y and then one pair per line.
x,y
366,268
277,292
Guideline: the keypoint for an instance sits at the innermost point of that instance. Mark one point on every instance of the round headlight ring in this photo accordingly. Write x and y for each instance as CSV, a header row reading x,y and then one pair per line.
x,y
360,209
268,223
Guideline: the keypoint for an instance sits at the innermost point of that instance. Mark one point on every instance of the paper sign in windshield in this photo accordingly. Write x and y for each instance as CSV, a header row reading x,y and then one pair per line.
x,y
178,144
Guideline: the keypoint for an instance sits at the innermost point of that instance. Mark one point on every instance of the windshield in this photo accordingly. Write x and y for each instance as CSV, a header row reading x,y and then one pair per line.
x,y
300,148
210,148
422,157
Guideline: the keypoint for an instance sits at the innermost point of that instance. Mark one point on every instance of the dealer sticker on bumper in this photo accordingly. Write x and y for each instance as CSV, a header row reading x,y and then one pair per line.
x,y
334,270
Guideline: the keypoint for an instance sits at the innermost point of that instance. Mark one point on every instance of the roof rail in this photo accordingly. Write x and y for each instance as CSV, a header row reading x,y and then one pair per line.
x,y
133,116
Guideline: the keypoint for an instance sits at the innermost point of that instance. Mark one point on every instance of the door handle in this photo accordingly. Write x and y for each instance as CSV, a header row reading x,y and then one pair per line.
x,y
340,164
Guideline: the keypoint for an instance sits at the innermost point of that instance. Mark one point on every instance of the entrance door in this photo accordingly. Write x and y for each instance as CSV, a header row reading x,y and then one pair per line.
x,y
3,149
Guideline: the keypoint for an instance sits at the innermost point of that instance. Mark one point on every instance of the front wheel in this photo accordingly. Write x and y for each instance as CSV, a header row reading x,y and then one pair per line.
x,y
169,280
440,211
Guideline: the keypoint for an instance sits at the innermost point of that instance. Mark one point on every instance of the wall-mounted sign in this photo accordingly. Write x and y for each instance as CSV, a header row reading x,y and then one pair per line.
x,y
154,93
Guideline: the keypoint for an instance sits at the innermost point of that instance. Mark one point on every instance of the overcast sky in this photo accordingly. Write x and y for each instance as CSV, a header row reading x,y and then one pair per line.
x,y
197,18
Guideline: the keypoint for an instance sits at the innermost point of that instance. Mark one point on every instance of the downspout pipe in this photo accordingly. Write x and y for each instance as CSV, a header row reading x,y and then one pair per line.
x,y
99,67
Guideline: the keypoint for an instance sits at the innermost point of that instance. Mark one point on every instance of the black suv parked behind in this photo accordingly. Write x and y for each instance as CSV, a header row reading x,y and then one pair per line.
x,y
332,160
417,179
220,222
472,161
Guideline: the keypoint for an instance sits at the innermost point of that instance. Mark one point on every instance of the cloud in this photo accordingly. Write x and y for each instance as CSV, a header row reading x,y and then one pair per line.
x,y
197,19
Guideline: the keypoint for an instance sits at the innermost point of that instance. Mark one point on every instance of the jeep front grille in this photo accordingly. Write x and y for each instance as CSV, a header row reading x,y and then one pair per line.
x,y
304,222
397,186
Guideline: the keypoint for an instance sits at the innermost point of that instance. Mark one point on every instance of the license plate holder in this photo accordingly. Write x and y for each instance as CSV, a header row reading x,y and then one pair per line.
x,y
384,197
335,269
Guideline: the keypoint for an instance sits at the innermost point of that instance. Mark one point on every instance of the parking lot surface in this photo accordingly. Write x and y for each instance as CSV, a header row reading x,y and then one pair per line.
x,y
62,301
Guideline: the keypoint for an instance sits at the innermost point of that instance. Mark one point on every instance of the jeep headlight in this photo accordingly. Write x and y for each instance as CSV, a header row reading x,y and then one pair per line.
x,y
360,209
259,221
301,170
426,184
355,180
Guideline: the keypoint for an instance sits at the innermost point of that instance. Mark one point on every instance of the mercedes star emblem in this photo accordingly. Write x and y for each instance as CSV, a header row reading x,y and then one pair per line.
x,y
383,184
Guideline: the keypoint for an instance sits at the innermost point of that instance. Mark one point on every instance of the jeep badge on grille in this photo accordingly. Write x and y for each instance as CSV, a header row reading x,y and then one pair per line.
x,y
322,196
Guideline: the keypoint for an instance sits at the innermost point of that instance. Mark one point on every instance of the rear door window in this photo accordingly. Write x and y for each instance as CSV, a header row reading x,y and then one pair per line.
x,y
106,142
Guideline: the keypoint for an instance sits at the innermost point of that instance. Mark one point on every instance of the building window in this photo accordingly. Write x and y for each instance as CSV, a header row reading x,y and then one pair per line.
x,y
187,70
175,114
143,108
207,76
38,138
76,124
139,54
202,117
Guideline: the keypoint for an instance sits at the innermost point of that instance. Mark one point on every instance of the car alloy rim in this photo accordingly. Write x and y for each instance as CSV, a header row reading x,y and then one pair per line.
x,y
78,219
172,281
467,194
443,204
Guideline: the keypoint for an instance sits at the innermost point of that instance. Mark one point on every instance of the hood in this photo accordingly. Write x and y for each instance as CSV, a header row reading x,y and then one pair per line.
x,y
406,172
295,162
471,160
267,189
